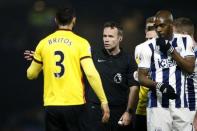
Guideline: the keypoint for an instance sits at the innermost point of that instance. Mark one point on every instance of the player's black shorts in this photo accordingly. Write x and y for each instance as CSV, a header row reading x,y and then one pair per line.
x,y
140,123
65,118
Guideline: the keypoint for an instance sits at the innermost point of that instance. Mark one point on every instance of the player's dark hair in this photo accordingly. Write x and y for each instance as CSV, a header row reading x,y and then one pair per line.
x,y
112,25
65,15
150,20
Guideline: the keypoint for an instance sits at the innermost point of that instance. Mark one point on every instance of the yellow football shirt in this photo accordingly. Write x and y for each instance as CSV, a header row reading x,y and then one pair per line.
x,y
60,54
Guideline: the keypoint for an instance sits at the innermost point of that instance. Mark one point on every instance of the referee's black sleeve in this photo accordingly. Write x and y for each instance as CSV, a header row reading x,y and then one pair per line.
x,y
132,68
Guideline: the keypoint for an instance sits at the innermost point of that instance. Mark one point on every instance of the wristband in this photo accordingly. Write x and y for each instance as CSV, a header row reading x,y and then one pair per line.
x,y
130,111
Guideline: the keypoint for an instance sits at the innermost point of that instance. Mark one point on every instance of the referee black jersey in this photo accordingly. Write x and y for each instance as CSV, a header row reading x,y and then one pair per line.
x,y
116,73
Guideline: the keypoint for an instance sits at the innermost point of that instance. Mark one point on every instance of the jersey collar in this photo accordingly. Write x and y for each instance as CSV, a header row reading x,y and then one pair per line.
x,y
117,55
64,30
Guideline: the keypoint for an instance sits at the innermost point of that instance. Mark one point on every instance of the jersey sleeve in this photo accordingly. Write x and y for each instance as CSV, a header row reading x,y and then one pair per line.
x,y
132,68
37,55
33,70
145,57
85,50
189,47
137,53
94,79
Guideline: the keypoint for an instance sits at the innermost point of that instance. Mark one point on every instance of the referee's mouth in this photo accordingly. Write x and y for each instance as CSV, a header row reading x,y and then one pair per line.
x,y
106,45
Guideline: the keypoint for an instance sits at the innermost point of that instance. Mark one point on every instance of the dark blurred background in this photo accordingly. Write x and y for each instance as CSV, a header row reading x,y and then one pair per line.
x,y
25,22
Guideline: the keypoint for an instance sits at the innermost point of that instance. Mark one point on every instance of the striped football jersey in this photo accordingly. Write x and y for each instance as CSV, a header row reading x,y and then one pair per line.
x,y
164,69
191,87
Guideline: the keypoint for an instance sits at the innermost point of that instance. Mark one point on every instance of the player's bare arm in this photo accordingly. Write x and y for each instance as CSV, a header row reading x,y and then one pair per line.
x,y
143,79
187,63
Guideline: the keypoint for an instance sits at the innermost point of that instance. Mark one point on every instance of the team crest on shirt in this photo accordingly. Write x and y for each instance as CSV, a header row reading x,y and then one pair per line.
x,y
118,78
157,49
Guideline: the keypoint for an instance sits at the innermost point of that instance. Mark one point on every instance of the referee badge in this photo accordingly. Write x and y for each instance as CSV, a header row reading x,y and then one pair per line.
x,y
118,78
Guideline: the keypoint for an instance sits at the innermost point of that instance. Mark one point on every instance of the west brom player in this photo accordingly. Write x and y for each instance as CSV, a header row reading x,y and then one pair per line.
x,y
184,25
167,58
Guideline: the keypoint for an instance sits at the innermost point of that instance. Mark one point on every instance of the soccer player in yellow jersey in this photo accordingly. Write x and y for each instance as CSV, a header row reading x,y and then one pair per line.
x,y
143,94
61,56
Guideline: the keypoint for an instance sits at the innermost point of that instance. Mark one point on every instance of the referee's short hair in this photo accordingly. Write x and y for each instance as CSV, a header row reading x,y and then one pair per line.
x,y
114,24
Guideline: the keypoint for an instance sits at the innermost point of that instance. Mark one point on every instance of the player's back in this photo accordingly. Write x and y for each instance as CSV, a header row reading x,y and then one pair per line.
x,y
61,53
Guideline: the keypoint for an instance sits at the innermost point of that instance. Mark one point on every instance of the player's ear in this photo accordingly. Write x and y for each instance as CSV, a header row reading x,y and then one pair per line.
x,y
55,20
74,20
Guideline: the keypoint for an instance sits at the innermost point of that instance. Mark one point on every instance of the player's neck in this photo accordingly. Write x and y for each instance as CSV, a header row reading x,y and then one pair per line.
x,y
65,27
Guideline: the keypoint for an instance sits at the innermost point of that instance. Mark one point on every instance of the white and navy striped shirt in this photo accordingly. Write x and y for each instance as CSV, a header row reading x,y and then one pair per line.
x,y
164,69
191,87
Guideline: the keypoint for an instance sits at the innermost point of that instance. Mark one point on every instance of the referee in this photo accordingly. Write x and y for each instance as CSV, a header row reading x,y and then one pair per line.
x,y
61,56
116,69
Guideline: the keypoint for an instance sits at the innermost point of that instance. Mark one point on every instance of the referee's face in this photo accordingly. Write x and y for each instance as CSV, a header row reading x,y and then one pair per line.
x,y
111,39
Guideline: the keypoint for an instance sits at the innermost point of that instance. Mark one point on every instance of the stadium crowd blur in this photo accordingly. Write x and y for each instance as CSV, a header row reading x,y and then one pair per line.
x,y
24,23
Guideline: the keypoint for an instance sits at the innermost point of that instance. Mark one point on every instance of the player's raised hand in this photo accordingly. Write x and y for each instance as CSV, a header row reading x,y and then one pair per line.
x,y
164,47
28,55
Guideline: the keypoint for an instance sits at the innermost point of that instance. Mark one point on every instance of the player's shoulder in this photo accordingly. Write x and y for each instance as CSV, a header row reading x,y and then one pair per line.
x,y
181,36
142,44
80,38
73,36
146,45
149,41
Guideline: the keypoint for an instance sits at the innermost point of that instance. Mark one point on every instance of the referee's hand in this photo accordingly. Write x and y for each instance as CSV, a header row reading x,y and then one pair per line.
x,y
106,113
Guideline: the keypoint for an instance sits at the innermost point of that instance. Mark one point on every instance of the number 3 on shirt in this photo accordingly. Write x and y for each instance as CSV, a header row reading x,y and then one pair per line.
x,y
59,63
